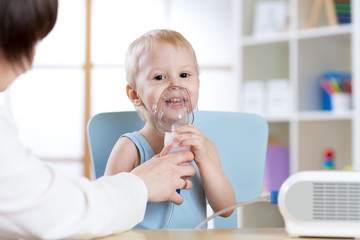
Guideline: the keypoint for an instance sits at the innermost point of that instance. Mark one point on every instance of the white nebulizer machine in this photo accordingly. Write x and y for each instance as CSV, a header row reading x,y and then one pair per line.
x,y
321,204
173,110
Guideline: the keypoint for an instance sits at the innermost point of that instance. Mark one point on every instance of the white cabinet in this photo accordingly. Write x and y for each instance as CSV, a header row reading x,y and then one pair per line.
x,y
302,55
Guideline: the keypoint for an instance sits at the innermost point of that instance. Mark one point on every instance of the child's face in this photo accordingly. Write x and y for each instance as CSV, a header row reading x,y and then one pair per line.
x,y
163,67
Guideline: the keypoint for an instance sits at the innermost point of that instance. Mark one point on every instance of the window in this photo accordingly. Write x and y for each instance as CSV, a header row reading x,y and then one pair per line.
x,y
48,101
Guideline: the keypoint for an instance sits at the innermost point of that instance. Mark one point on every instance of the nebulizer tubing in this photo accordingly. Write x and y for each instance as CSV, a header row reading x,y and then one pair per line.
x,y
173,110
272,198
169,216
265,198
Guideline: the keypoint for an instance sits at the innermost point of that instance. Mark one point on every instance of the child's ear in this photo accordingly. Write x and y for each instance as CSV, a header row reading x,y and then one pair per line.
x,y
133,96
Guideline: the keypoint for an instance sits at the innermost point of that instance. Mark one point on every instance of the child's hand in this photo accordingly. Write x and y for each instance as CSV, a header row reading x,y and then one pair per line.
x,y
189,135
217,187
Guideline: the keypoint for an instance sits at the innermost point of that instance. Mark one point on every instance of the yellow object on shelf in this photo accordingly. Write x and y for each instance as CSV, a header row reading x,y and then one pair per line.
x,y
348,167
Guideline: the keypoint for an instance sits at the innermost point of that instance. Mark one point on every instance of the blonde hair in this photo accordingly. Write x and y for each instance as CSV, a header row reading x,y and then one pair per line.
x,y
144,44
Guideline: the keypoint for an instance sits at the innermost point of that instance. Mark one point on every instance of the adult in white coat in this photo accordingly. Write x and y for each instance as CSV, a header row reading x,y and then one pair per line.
x,y
36,201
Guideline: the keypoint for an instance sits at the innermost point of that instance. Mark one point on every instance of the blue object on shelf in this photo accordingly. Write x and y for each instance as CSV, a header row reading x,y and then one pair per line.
x,y
327,106
334,82
274,197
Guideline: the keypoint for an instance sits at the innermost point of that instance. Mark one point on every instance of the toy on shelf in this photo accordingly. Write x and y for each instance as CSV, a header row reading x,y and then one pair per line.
x,y
348,168
328,163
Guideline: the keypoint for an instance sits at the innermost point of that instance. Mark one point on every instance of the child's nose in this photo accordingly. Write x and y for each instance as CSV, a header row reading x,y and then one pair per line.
x,y
175,81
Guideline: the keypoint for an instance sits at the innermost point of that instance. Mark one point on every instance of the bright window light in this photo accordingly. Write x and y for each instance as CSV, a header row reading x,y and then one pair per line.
x,y
48,105
65,44
108,91
218,91
116,23
207,24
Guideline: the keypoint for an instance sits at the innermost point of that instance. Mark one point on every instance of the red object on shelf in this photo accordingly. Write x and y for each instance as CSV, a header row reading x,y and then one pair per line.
x,y
328,153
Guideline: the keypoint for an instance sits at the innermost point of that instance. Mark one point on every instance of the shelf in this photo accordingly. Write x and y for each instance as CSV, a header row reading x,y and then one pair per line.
x,y
318,32
265,39
326,31
324,116
310,116
277,119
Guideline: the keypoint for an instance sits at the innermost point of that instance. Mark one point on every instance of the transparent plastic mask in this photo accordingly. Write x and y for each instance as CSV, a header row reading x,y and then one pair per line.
x,y
173,110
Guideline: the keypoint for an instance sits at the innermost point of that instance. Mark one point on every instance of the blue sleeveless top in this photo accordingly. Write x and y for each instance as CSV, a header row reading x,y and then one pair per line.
x,y
187,215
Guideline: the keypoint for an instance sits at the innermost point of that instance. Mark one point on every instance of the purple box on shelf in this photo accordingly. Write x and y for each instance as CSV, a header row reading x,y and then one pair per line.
x,y
276,166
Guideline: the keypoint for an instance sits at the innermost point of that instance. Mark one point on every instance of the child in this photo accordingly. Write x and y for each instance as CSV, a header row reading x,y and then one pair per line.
x,y
156,60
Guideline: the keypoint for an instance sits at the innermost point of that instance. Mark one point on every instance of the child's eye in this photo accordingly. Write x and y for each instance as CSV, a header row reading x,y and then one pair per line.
x,y
184,75
160,77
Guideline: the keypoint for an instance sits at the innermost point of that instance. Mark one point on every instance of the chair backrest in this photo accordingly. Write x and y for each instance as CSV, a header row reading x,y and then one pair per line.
x,y
104,129
240,138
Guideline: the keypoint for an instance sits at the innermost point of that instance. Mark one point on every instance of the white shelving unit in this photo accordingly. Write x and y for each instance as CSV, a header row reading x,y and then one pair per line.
x,y
302,55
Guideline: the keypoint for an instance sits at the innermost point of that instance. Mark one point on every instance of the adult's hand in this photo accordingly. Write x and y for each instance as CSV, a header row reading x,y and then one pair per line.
x,y
164,174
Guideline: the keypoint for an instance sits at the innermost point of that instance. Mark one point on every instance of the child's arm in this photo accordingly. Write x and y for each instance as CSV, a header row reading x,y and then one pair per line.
x,y
218,189
124,157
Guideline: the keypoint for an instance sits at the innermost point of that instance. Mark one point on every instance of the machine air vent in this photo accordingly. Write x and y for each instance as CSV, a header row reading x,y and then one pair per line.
x,y
336,201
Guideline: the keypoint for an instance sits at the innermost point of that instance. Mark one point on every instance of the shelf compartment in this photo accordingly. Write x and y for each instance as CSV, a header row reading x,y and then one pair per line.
x,y
263,62
317,56
279,131
323,135
247,13
304,10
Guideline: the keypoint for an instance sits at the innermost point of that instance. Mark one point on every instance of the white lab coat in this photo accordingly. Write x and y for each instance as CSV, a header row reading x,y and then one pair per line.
x,y
37,202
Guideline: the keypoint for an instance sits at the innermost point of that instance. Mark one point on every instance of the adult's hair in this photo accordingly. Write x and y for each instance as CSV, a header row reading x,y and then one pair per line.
x,y
22,24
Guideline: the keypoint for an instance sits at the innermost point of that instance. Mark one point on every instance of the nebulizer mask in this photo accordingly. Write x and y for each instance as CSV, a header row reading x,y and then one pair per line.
x,y
173,110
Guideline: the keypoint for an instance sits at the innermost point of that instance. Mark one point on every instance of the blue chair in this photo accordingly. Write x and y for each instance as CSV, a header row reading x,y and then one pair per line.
x,y
104,129
241,140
